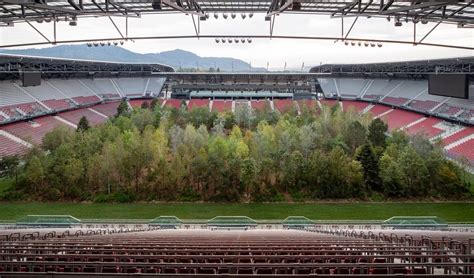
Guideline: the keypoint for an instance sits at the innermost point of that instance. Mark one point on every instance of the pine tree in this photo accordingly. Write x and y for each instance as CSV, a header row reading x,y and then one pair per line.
x,y
377,130
122,109
369,163
145,105
83,124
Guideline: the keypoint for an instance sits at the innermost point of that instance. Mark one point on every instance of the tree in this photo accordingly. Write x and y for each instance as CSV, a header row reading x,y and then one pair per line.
x,y
83,124
377,130
369,163
58,136
9,167
153,104
415,173
122,109
355,135
248,170
35,173
145,105
392,177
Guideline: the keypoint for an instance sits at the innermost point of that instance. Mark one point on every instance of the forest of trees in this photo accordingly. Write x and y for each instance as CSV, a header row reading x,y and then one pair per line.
x,y
164,154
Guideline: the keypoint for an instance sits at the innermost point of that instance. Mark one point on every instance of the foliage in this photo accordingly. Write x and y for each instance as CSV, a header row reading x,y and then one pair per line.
x,y
83,124
168,154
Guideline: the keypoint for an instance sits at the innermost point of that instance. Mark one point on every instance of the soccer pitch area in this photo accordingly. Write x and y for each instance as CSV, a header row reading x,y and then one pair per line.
x,y
451,212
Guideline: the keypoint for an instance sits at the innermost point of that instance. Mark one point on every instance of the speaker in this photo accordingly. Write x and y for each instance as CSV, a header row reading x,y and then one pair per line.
x,y
156,5
296,6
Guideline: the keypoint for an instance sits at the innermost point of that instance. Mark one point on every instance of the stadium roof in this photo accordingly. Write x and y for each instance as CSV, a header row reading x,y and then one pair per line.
x,y
458,12
423,67
11,66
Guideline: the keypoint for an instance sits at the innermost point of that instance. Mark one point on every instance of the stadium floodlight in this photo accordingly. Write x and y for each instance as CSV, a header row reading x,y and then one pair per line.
x,y
89,44
250,15
216,15
207,15
243,15
121,42
47,19
102,43
223,40
224,15
242,40
353,43
346,42
233,15
39,20
217,40
236,40
424,21
229,40
359,43
115,43
96,44
249,40
109,43
379,44
372,44
366,44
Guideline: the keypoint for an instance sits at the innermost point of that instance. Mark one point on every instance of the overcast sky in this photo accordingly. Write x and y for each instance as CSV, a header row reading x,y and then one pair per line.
x,y
276,51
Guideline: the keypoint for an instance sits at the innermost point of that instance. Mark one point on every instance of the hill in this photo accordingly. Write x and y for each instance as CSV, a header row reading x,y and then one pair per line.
x,y
177,58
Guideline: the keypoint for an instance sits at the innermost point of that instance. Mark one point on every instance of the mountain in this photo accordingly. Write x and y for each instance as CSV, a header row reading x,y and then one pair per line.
x,y
176,58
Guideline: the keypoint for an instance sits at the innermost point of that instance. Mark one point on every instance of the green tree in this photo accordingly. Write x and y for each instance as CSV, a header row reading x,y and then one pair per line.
x,y
355,135
122,109
34,172
369,163
153,104
377,130
248,170
392,177
145,105
83,124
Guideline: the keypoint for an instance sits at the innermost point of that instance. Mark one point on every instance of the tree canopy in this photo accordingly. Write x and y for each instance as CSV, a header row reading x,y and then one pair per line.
x,y
168,154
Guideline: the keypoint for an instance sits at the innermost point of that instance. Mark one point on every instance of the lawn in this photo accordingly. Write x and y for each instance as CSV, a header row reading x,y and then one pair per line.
x,y
451,212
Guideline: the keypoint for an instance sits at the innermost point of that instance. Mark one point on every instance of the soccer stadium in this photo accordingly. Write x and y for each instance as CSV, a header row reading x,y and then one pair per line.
x,y
181,165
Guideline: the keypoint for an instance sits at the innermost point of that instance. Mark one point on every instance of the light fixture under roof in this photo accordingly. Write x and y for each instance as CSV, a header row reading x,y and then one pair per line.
x,y
217,40
250,15
243,15
242,40
229,40
236,40
249,40
224,15
233,15
216,15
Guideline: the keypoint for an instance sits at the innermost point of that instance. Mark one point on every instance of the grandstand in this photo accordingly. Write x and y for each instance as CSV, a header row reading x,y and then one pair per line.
x,y
225,245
